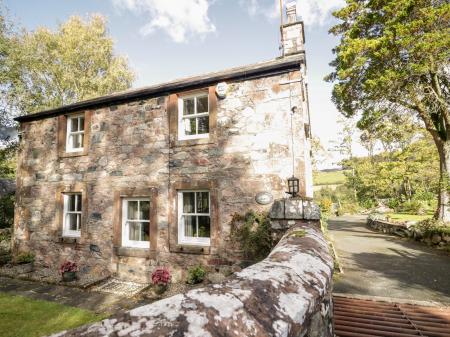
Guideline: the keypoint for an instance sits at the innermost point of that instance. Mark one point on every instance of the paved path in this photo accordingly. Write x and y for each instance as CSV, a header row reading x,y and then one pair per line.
x,y
377,264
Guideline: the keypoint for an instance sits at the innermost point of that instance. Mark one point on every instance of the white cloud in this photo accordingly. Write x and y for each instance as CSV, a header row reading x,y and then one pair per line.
x,y
181,20
312,12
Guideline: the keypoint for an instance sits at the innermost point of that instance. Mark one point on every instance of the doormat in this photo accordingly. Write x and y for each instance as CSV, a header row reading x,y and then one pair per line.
x,y
119,287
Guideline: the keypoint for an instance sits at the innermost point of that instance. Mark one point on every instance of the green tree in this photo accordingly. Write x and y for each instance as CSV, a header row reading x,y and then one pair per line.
x,y
47,69
393,58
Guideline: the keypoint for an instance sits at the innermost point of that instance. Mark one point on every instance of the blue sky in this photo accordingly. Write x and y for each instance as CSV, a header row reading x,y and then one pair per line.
x,y
168,39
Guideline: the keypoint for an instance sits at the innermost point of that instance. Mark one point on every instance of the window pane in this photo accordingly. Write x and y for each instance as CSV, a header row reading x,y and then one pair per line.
x,y
202,202
188,106
138,231
202,104
73,124
71,203
189,126
75,141
204,227
81,124
78,197
71,220
188,202
145,210
133,210
190,226
81,139
203,125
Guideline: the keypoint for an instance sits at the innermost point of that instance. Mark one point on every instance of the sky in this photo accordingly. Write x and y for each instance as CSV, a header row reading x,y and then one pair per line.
x,y
169,39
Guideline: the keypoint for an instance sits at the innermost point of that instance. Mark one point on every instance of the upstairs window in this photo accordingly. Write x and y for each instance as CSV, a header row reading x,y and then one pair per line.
x,y
193,117
72,215
136,222
75,133
194,218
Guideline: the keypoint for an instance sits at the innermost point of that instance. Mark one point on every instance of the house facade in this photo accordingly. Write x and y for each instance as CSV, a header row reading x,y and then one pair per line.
x,y
153,176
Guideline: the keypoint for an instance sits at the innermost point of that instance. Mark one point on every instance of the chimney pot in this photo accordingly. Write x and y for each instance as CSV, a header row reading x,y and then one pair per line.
x,y
291,12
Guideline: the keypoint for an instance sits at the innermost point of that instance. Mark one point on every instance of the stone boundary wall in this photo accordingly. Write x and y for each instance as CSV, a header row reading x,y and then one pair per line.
x,y
287,294
405,231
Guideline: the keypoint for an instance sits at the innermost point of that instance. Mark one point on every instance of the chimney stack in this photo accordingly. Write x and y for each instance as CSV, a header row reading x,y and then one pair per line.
x,y
292,32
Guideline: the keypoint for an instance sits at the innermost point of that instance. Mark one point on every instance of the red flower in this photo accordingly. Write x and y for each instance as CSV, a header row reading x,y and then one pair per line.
x,y
68,266
161,275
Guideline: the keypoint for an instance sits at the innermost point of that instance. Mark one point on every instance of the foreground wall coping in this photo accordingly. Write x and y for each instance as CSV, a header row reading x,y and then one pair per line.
x,y
286,294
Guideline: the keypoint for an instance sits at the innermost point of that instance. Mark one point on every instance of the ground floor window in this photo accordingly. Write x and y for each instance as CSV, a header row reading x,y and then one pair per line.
x,y
72,214
136,222
194,218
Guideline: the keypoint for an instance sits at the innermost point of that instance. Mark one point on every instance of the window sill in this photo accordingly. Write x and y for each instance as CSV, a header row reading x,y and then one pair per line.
x,y
191,249
133,252
72,154
69,239
193,142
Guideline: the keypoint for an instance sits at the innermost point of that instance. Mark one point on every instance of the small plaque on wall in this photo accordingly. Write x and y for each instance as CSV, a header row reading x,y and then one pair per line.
x,y
221,89
264,198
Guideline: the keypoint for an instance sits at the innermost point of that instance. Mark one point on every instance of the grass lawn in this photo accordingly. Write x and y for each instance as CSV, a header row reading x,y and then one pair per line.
x,y
329,178
408,217
22,316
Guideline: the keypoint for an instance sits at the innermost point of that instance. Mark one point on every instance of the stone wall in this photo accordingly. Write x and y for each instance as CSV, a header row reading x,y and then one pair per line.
x,y
132,148
287,294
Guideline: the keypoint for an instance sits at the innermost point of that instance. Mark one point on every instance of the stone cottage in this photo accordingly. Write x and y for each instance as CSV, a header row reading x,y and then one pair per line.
x,y
153,176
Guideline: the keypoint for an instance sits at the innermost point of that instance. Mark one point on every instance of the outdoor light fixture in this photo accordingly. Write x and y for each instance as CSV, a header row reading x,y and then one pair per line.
x,y
293,183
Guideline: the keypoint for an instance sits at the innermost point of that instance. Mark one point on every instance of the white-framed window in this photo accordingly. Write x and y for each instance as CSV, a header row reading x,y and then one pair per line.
x,y
72,214
194,217
75,133
136,222
193,116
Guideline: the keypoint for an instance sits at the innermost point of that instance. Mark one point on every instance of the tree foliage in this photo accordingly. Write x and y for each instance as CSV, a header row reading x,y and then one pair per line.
x,y
46,69
393,59
403,175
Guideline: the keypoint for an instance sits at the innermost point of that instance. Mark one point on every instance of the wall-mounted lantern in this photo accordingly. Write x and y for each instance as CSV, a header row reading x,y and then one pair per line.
x,y
293,185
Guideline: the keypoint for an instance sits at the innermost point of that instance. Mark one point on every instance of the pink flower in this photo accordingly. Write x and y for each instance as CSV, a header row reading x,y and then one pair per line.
x,y
68,266
161,275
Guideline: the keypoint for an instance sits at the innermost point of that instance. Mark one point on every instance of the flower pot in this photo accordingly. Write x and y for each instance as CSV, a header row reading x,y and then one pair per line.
x,y
69,276
25,268
160,288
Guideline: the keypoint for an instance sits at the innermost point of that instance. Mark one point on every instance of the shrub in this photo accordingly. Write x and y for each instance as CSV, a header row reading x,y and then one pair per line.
x,y
24,258
413,207
253,233
68,266
161,276
196,275
7,211
326,205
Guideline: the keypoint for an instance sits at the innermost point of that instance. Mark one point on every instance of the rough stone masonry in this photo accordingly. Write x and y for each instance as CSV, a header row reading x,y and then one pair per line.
x,y
132,149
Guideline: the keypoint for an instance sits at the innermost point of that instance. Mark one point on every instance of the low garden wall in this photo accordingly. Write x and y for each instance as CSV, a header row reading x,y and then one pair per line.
x,y
435,236
286,294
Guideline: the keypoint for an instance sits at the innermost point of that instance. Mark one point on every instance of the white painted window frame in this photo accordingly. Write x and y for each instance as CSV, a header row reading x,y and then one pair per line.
x,y
181,117
126,242
69,147
189,240
67,232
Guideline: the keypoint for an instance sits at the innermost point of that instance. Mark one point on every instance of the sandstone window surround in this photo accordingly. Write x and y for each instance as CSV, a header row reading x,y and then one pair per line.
x,y
73,134
72,214
122,246
194,218
193,117
178,244
72,206
135,222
